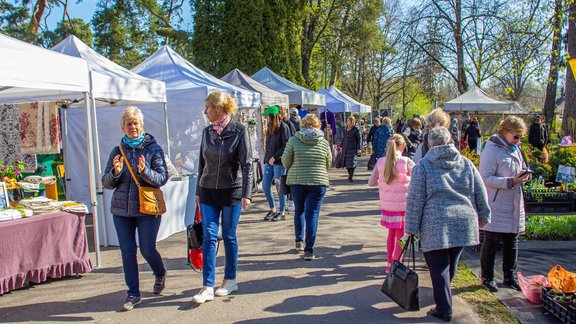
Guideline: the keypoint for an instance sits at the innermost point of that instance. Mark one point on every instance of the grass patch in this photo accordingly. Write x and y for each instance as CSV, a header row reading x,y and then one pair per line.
x,y
552,228
486,305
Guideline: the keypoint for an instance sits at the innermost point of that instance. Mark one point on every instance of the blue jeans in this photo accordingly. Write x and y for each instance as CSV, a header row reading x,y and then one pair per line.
x,y
210,223
442,265
307,204
147,227
272,172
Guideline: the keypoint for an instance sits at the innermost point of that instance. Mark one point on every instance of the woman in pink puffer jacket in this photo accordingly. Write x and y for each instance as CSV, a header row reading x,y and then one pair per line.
x,y
392,176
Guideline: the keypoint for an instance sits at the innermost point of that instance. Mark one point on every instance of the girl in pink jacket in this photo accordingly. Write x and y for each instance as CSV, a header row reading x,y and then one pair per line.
x,y
392,176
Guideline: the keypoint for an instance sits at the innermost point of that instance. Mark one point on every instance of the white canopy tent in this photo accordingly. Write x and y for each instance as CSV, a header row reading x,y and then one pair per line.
x,y
267,96
30,73
333,103
355,106
110,85
477,100
188,87
297,95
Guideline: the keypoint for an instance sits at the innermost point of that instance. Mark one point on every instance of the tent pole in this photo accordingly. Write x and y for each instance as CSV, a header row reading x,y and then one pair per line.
x,y
167,131
65,148
93,202
99,190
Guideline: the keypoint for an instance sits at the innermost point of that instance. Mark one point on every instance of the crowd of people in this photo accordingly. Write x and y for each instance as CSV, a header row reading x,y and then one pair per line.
x,y
427,190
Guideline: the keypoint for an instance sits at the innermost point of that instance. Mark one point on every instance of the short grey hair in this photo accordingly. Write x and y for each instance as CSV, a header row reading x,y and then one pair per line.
x,y
129,112
438,136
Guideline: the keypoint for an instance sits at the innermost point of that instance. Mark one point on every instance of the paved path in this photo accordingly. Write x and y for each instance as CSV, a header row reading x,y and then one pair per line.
x,y
276,285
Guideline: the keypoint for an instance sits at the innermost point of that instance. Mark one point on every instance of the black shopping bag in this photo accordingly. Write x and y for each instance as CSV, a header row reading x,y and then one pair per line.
x,y
401,284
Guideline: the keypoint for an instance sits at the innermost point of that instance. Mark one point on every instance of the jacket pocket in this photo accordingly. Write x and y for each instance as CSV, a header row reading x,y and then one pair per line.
x,y
496,194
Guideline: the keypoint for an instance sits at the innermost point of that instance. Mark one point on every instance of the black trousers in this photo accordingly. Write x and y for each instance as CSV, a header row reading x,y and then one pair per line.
x,y
442,265
351,172
509,254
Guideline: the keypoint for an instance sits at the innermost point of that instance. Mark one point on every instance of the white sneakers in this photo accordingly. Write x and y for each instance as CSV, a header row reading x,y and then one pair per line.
x,y
207,293
226,288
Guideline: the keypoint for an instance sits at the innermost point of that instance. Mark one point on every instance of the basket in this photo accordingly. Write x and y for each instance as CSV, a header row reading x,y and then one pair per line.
x,y
564,314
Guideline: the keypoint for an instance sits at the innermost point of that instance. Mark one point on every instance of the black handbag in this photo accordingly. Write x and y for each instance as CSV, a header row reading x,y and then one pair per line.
x,y
401,284
284,188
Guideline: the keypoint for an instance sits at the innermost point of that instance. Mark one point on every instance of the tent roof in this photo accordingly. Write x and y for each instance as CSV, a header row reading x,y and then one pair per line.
x,y
179,74
29,73
355,106
477,100
111,83
334,104
298,95
267,95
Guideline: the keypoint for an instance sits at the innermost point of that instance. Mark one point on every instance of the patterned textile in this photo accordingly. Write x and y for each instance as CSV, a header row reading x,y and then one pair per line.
x,y
40,129
10,138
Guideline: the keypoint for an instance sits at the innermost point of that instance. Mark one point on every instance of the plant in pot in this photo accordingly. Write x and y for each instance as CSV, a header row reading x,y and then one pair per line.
x,y
563,300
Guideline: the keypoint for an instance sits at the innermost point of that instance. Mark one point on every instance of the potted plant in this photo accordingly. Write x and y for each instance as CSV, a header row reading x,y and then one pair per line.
x,y
9,173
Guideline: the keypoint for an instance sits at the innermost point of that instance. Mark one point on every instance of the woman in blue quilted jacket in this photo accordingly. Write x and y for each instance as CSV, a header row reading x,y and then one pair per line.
x,y
147,160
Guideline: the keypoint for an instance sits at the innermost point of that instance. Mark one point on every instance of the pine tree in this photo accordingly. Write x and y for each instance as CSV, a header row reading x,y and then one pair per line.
x,y
207,39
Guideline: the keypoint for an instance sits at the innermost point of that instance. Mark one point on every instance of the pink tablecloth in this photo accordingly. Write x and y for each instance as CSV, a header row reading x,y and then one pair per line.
x,y
40,247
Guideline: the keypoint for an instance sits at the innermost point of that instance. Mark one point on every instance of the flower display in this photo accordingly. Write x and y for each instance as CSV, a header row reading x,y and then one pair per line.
x,y
12,171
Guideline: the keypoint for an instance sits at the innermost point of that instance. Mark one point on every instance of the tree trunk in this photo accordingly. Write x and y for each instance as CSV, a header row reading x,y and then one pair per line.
x,y
569,117
36,17
552,86
462,83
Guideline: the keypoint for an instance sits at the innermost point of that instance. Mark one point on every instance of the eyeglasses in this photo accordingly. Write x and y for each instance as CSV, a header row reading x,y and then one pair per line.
x,y
517,137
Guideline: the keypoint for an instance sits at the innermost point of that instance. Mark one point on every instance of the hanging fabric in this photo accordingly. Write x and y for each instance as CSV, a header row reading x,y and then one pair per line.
x,y
10,140
40,129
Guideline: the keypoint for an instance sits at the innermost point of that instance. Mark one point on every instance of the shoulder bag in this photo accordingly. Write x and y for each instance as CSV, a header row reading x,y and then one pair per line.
x,y
151,199
401,284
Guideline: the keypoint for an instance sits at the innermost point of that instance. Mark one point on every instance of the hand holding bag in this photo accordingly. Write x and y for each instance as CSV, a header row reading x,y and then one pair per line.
x,y
195,235
401,284
151,199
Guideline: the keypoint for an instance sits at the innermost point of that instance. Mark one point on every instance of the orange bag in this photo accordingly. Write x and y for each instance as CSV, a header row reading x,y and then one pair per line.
x,y
561,279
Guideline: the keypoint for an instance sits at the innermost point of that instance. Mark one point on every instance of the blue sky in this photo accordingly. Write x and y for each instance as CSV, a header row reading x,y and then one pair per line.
x,y
84,10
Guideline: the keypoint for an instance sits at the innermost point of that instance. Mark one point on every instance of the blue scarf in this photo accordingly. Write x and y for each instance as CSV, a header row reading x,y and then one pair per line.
x,y
133,142
512,147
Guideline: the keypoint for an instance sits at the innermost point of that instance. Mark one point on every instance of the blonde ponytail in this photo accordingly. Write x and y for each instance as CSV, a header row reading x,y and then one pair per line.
x,y
394,142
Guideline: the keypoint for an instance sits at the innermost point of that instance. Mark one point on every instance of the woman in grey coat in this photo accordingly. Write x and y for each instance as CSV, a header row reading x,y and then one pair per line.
x,y
501,167
446,204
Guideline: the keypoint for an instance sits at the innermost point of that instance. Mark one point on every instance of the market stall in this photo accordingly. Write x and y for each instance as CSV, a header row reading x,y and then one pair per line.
x,y
110,86
36,248
29,73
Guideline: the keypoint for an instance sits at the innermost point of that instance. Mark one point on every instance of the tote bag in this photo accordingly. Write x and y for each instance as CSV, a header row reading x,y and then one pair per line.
x,y
401,284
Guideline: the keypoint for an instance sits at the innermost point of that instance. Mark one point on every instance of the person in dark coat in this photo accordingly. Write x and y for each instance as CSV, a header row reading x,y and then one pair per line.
x,y
147,161
472,135
350,146
413,135
224,189
277,135
295,119
537,134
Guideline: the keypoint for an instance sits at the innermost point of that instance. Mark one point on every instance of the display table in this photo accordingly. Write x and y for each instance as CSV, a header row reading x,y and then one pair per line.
x,y
176,197
43,246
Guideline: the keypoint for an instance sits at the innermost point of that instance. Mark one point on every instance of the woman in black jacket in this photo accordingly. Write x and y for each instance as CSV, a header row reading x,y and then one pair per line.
x,y
277,136
350,146
224,189
147,161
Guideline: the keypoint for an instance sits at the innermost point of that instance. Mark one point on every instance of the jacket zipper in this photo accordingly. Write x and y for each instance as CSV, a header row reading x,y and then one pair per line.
x,y
496,195
219,157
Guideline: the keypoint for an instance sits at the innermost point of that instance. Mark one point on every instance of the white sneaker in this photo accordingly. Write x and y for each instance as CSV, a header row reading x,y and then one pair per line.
x,y
205,294
226,288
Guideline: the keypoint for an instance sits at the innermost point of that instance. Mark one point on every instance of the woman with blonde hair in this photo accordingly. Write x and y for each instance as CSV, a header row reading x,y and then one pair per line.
x,y
224,188
392,176
307,158
436,117
503,170
350,147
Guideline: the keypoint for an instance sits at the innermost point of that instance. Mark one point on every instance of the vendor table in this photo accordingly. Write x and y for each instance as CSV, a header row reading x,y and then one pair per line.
x,y
43,246
176,197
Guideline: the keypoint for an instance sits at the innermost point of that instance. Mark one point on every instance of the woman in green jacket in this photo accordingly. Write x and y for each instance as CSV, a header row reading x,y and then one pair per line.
x,y
307,158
